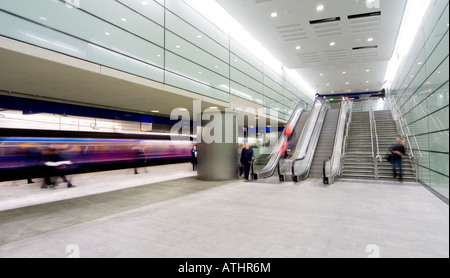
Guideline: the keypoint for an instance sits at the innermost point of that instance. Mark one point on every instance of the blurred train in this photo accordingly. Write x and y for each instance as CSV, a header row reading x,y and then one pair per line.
x,y
89,152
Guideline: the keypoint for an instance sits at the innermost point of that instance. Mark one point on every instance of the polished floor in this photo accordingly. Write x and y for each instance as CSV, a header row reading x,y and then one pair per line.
x,y
179,216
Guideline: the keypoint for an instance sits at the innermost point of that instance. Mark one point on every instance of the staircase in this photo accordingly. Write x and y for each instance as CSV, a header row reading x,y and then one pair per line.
x,y
387,134
358,163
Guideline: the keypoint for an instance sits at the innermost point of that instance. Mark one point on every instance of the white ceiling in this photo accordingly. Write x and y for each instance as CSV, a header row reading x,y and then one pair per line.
x,y
321,64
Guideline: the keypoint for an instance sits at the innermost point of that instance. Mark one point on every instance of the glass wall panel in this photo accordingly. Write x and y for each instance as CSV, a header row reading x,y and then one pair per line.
x,y
421,91
164,41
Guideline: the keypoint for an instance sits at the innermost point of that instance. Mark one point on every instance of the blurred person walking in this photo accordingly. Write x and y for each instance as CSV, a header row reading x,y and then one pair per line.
x,y
398,150
32,160
56,166
140,159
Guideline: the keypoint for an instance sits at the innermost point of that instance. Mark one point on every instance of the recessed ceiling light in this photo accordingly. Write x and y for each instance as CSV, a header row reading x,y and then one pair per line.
x,y
43,18
344,72
321,74
274,14
332,92
298,47
216,67
200,72
332,43
328,84
159,55
144,3
236,60
199,36
420,63
368,70
439,72
370,39
107,33
155,111
367,89
367,81
347,83
124,19
178,46
320,8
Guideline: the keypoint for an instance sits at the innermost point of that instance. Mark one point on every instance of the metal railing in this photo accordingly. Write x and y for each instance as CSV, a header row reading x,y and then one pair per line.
x,y
347,132
377,141
371,130
332,167
397,116
377,158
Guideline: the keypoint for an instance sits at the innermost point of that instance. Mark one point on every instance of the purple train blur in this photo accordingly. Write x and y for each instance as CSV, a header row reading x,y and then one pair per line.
x,y
86,154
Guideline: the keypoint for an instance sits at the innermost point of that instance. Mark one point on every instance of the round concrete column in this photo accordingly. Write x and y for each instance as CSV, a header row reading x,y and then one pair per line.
x,y
218,149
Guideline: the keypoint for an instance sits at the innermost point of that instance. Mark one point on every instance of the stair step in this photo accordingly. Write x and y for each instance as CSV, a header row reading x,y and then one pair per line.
x,y
358,170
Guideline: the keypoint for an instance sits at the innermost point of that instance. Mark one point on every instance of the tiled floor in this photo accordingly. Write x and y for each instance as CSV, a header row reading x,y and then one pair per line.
x,y
189,218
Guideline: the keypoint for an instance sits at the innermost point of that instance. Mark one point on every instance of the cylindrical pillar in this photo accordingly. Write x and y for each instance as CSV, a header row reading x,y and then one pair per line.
x,y
218,147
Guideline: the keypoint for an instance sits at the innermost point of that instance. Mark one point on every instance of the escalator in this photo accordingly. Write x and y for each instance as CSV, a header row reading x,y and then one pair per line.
x,y
269,164
321,143
326,142
301,159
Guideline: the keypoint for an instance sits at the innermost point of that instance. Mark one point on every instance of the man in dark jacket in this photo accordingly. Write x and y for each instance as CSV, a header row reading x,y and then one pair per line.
x,y
246,159
194,155
398,151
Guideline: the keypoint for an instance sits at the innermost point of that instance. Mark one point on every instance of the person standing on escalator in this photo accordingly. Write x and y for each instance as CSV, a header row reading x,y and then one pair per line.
x,y
247,159
289,133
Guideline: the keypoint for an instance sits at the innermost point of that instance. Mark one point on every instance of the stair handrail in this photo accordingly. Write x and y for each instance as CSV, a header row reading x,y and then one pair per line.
x,y
377,142
397,118
371,128
347,132
397,115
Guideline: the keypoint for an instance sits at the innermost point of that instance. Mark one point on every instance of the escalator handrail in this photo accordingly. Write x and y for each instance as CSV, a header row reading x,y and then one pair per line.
x,y
349,122
335,138
339,125
282,139
309,142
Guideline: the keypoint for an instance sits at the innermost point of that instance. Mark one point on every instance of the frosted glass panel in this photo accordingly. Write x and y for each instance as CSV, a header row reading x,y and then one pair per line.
x,y
151,10
421,92
164,41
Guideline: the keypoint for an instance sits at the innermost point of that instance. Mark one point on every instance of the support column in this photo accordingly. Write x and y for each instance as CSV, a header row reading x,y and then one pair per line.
x,y
218,148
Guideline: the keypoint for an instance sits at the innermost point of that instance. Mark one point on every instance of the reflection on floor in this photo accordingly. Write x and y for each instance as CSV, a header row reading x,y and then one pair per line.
x,y
18,194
